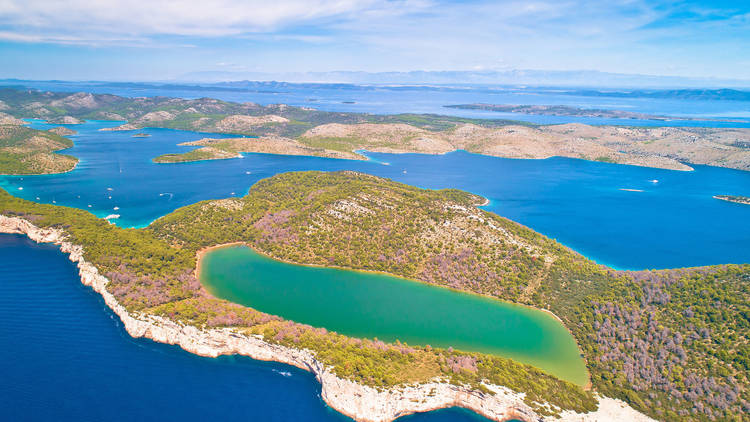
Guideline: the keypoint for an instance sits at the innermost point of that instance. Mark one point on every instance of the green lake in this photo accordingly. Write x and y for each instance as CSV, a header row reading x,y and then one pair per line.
x,y
361,304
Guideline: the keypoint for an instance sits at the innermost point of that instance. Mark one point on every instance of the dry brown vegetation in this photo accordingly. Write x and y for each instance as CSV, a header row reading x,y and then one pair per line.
x,y
214,149
28,151
651,147
668,148
301,131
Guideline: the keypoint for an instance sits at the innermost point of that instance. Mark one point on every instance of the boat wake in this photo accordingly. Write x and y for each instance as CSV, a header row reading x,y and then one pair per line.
x,y
282,373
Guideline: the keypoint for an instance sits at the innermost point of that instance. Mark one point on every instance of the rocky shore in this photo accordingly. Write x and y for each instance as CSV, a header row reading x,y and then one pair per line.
x,y
563,110
363,403
734,198
65,120
215,149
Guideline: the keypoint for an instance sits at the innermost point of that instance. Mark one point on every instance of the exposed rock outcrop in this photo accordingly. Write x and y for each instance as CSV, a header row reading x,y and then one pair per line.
x,y
242,123
268,145
62,131
77,101
65,120
126,126
6,119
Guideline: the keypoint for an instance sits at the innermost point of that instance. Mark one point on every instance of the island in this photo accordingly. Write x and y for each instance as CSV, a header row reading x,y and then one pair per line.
x,y
62,131
65,120
564,110
217,149
301,130
664,344
734,198
140,135
29,151
201,154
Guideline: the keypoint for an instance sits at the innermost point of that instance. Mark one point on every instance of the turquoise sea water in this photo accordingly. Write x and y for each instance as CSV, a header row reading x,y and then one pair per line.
x,y
369,305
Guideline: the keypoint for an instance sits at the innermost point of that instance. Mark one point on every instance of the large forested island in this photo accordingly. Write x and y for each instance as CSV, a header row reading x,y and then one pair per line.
x,y
304,131
670,343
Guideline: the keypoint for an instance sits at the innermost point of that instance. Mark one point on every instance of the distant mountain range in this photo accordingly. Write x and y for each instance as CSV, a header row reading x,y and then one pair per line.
x,y
722,94
584,78
703,94
683,94
563,110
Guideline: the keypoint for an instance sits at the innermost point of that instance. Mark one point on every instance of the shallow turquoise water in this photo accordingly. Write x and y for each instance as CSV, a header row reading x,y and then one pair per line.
x,y
369,305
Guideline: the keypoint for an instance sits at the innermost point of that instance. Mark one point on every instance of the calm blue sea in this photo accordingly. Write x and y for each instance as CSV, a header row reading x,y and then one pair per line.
x,y
64,356
671,221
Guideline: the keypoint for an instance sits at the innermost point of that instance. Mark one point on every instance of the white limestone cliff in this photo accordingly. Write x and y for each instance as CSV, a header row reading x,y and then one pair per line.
x,y
363,403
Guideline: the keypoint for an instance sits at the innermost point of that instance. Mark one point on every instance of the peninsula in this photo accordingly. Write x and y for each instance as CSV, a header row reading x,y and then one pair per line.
x,y
299,130
65,120
29,151
734,198
651,339
62,131
217,149
564,110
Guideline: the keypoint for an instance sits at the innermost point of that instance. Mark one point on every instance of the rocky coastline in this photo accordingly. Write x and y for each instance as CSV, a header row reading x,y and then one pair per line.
x,y
734,198
362,403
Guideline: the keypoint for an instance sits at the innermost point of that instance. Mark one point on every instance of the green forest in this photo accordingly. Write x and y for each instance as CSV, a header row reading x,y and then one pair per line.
x,y
671,343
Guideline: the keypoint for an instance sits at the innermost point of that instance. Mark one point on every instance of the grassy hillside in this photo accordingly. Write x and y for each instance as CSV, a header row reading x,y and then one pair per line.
x,y
28,151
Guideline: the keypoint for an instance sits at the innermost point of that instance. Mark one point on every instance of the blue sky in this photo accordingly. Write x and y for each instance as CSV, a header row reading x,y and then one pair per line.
x,y
164,39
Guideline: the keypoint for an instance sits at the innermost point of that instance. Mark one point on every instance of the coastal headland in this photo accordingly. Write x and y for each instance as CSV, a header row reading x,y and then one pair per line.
x,y
29,151
635,329
564,110
734,198
360,402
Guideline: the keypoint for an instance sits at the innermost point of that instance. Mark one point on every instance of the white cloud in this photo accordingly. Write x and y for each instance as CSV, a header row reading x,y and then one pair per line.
x,y
629,36
72,39
41,20
635,36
